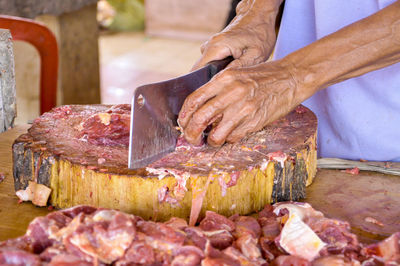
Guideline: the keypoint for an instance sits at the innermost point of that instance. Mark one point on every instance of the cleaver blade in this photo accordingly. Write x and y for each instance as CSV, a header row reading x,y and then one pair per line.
x,y
155,109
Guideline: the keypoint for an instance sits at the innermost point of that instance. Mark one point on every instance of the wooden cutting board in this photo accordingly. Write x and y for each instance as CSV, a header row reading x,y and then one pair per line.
x,y
81,153
333,192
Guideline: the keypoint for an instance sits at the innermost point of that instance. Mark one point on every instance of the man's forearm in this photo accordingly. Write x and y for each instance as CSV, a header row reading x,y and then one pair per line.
x,y
249,38
256,12
262,6
369,44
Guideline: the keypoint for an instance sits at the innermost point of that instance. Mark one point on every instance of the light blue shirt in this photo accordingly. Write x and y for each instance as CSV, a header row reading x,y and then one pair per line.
x,y
358,118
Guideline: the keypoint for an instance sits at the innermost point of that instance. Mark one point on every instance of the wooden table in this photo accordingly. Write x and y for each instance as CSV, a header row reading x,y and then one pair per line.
x,y
14,217
339,195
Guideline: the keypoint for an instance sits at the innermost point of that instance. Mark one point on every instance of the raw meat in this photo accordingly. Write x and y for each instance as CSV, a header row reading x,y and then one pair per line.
x,y
85,235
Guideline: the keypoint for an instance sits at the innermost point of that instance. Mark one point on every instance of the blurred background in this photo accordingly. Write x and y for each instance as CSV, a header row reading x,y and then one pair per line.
x,y
109,47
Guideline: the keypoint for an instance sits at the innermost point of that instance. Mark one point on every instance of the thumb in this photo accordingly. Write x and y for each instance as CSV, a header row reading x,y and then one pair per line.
x,y
212,53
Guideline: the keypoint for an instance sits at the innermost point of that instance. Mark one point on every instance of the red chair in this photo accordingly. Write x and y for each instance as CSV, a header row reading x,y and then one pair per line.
x,y
43,39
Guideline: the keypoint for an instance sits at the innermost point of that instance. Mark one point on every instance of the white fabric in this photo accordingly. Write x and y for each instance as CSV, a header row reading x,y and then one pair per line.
x,y
358,118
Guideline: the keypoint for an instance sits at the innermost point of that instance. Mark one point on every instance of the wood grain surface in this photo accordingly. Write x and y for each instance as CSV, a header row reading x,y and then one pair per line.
x,y
357,199
335,193
14,217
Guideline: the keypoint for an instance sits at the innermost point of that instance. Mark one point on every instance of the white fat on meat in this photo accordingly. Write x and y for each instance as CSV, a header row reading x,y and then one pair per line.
x,y
163,172
248,245
105,118
37,193
159,172
181,179
222,184
197,199
25,194
264,165
296,237
216,232
242,258
108,250
107,246
303,210
104,215
278,156
180,187
159,244
67,230
336,260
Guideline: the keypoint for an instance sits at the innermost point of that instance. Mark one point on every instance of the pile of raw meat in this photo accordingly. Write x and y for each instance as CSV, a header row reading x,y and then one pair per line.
x,y
282,234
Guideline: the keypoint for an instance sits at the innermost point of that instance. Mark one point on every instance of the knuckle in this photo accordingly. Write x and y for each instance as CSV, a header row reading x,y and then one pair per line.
x,y
217,103
249,108
237,50
192,133
234,138
227,76
189,104
212,43
190,139
215,140
254,59
235,64
203,47
199,119
257,53
217,38
240,89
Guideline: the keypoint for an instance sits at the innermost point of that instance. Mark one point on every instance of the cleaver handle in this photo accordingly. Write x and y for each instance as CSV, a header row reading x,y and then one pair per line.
x,y
218,65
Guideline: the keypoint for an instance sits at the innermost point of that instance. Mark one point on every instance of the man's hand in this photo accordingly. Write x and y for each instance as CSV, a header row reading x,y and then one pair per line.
x,y
249,38
239,101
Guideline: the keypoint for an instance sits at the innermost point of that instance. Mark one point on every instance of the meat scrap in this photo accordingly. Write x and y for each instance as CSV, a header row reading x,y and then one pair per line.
x,y
288,233
353,171
37,193
373,221
300,109
107,129
387,250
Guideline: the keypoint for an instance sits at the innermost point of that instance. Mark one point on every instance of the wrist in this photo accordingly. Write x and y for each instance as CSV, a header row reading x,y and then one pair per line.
x,y
257,12
259,23
304,81
263,6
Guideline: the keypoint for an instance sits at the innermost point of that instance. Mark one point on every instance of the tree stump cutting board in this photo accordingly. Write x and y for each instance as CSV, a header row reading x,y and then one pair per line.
x,y
81,153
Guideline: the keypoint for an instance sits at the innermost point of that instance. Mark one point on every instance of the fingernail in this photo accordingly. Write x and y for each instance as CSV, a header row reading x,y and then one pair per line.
x,y
179,125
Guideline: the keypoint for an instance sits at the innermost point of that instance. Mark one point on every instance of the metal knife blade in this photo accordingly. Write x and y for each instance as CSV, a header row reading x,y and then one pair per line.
x,y
155,109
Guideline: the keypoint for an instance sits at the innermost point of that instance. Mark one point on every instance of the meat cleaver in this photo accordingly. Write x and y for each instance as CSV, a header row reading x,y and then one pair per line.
x,y
155,109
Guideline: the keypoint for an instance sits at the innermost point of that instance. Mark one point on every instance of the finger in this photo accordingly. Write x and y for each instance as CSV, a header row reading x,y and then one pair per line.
x,y
251,125
238,133
230,120
203,94
203,46
210,110
249,57
211,53
197,99
243,6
